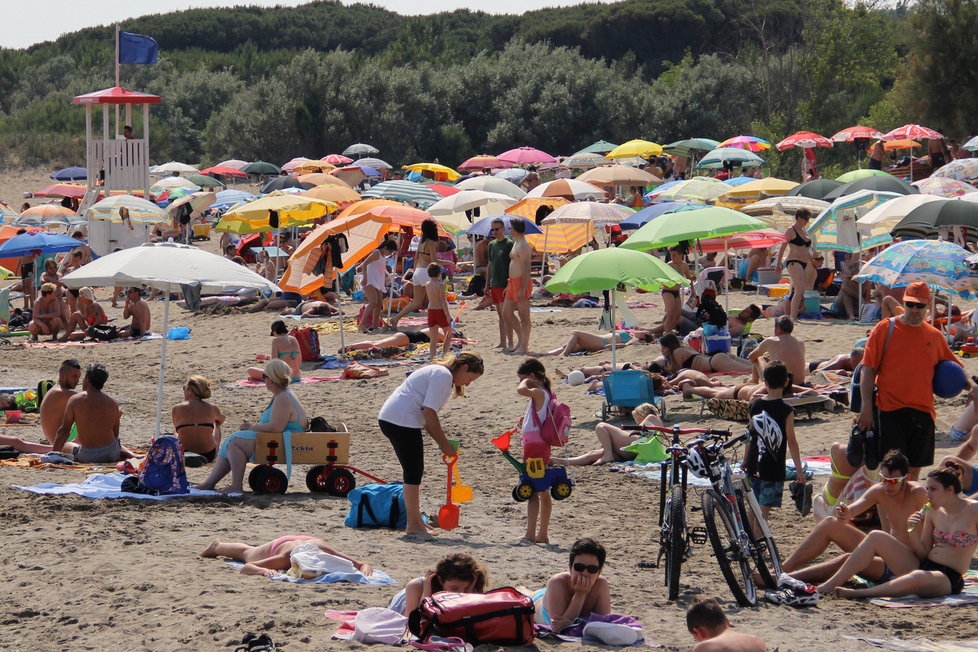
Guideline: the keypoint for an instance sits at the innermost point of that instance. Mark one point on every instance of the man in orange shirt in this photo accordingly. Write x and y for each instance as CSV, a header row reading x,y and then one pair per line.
x,y
903,414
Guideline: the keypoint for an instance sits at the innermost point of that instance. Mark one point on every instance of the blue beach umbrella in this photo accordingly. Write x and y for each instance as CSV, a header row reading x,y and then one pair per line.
x,y
71,174
484,226
47,243
649,213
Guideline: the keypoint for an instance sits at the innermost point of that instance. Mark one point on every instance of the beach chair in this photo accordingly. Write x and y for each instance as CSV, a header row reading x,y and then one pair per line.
x,y
201,232
625,390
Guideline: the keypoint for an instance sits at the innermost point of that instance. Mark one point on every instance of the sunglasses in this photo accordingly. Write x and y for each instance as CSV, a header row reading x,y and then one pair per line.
x,y
894,480
580,568
914,304
264,376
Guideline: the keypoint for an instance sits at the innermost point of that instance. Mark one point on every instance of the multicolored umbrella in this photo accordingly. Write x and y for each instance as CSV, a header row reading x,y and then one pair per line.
x,y
633,148
589,211
456,213
403,191
944,187
528,206
850,134
140,210
751,240
337,159
941,265
198,201
835,228
376,163
292,210
962,169
751,143
526,156
804,139
701,189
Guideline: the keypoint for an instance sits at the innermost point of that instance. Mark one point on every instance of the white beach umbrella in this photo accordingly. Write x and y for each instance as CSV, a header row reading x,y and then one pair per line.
x,y
492,184
164,265
171,167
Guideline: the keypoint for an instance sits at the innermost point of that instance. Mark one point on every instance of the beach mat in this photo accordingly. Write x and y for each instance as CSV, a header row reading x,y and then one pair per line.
x,y
917,644
379,577
107,485
309,380
968,596
45,344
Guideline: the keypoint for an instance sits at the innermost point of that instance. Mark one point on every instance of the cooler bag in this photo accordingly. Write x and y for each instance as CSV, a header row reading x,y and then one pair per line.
x,y
502,616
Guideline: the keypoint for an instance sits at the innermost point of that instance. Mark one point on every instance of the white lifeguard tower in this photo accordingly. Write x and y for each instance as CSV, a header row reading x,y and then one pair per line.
x,y
116,164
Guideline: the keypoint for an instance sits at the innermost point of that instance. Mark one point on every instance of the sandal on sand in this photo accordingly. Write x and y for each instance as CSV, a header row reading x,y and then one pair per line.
x,y
254,643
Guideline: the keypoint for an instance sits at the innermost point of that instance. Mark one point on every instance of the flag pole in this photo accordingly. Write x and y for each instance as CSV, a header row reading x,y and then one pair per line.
x,y
117,76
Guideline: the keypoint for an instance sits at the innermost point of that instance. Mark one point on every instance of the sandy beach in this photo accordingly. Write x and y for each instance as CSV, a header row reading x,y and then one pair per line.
x,y
113,575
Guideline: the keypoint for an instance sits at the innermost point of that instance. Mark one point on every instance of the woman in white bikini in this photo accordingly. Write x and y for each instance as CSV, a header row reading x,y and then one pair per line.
x,y
427,253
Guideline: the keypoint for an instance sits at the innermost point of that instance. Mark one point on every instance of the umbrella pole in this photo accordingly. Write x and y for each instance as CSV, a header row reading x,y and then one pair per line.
x,y
390,293
159,389
613,329
339,306
543,267
726,285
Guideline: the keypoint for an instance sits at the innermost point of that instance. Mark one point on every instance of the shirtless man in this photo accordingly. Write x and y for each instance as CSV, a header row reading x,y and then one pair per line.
x,y
519,286
138,310
499,250
53,405
708,624
580,591
896,498
48,314
531,180
97,416
842,362
782,346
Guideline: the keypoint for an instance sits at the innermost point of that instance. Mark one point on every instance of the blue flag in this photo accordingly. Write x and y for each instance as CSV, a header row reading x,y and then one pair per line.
x,y
134,48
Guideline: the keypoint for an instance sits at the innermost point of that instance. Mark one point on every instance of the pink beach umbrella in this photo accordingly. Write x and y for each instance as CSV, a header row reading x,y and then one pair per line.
x,y
337,159
235,163
526,156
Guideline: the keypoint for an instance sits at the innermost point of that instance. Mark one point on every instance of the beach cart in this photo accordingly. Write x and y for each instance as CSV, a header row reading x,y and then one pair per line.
x,y
535,476
625,390
329,452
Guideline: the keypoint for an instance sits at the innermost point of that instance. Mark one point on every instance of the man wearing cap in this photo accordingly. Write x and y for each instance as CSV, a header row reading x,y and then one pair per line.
x,y
902,412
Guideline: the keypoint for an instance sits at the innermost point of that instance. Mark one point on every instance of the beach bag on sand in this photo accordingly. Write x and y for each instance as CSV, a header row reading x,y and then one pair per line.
x,y
502,616
308,343
556,426
377,505
163,473
103,332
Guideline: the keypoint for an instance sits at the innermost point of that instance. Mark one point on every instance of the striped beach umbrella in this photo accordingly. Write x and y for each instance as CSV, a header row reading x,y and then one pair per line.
x,y
403,191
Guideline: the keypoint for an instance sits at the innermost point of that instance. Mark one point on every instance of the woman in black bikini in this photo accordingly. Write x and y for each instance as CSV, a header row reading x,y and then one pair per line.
x,y
676,357
198,423
402,339
671,299
799,259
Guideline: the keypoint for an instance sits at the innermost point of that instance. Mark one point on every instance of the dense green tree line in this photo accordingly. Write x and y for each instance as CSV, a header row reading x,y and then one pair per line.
x,y
277,83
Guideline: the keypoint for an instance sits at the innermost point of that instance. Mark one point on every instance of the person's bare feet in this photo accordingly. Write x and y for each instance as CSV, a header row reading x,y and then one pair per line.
x,y
687,392
231,490
366,569
519,351
210,551
603,461
845,593
543,539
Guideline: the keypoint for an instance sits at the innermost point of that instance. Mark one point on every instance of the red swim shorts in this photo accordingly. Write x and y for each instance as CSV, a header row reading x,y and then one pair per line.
x,y
498,295
437,318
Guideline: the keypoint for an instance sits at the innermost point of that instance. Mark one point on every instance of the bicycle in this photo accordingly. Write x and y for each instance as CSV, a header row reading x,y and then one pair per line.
x,y
676,538
738,536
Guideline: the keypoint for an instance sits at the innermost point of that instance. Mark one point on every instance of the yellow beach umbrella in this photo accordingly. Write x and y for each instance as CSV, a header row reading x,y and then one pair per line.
x,y
292,210
770,186
436,168
633,148
313,166
562,237
322,179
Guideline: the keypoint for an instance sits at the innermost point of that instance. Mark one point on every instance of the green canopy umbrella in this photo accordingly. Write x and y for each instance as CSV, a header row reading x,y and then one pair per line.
x,y
205,181
722,156
685,147
605,269
691,224
600,147
861,174
261,167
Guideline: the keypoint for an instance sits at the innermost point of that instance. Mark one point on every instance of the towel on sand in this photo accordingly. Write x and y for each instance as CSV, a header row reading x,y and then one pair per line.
x,y
106,485
968,596
379,577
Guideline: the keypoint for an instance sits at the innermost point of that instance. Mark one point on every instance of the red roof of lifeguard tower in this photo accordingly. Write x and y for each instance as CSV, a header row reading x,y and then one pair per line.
x,y
117,95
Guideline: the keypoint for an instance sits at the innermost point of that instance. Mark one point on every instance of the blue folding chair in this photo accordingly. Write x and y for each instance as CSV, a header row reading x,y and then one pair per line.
x,y
625,390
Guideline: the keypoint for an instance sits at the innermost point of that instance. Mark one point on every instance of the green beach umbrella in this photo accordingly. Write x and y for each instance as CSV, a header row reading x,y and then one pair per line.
x,y
684,147
691,223
861,174
261,167
205,181
600,147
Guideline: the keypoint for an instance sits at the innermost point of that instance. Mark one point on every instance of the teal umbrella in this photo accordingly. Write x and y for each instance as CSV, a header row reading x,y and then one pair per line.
x,y
722,156
205,181
261,167
606,269
691,223
600,147
685,147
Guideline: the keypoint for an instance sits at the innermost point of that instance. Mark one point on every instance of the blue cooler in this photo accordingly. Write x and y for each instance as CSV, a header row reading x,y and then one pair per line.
x,y
719,343
813,305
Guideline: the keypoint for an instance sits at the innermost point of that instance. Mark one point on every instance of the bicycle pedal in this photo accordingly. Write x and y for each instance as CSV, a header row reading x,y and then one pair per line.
x,y
648,564
698,535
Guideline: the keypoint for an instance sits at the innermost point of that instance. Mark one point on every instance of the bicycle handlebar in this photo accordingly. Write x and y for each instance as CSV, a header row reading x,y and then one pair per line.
x,y
680,431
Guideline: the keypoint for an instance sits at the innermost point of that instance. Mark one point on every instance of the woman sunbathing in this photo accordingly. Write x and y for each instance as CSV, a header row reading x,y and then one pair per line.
x,y
275,556
583,341
943,541
402,339
676,357
613,440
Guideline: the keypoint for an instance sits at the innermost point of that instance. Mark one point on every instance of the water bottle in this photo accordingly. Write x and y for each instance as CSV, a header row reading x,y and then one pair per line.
x,y
912,526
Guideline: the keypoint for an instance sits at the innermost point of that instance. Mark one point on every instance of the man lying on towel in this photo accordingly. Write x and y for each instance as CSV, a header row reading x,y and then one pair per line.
x,y
96,416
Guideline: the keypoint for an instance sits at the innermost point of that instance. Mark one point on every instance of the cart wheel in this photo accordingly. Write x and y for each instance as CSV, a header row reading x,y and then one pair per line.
x,y
561,490
523,492
340,482
315,480
965,355
271,481
253,477
604,411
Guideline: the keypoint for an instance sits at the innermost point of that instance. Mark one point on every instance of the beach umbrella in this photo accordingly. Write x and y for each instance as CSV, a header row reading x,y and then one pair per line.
x,y
205,181
164,266
888,215
883,184
197,201
911,131
649,213
511,174
359,150
528,207
733,182
234,163
231,197
401,215
689,223
440,187
570,189
365,169
294,163
855,175
492,184
292,210
962,169
47,243
941,265
351,175
260,168
633,148
726,156
60,190
758,187
484,226
686,147
834,229
751,240
750,143
944,187
599,147
526,156
71,174
312,166
50,212
224,171
140,210
805,140
7,211
894,145
283,182
619,175
376,163
341,195
971,145
605,269
856,132
5,273
450,212
784,204
815,189
435,168
926,220
406,191
585,161
561,238
172,182
323,179
483,162
171,167
701,189
589,211
337,159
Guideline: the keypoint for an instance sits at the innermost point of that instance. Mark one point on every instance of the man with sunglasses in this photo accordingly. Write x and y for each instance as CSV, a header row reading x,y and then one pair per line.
x,y
580,591
499,250
899,362
894,496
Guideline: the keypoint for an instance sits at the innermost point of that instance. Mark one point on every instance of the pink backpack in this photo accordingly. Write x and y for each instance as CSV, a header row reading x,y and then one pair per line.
x,y
556,426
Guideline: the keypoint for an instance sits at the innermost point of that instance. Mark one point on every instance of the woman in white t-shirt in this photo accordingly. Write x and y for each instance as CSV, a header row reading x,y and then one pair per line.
x,y
415,405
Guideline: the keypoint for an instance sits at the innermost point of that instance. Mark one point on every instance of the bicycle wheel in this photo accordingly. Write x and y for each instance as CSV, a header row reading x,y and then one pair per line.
x,y
732,554
673,540
765,550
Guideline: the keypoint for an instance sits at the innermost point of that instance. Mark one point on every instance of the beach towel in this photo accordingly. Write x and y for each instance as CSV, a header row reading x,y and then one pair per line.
x,y
587,631
968,596
107,485
378,578
917,644
45,344
307,380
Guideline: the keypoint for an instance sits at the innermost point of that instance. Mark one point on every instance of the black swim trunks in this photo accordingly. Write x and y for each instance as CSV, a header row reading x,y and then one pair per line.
x,y
417,337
